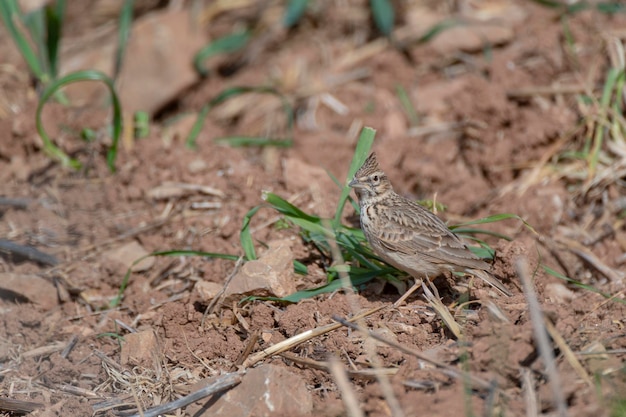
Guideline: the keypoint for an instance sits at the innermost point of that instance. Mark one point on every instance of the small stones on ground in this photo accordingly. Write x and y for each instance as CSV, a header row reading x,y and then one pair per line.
x,y
207,290
30,287
262,393
124,256
271,275
141,348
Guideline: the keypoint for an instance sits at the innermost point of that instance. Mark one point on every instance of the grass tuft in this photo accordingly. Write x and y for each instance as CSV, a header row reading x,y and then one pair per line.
x,y
38,38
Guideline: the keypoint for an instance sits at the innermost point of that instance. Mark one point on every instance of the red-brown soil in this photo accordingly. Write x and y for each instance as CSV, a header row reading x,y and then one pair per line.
x,y
496,153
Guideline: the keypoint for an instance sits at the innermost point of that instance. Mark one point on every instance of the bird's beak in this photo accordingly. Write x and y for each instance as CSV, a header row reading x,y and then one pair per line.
x,y
355,184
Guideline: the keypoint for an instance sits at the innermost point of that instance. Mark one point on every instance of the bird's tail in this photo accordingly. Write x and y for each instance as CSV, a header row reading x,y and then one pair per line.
x,y
490,279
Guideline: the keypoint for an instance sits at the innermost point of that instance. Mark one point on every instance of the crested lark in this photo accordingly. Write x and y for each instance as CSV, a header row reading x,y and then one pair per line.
x,y
408,236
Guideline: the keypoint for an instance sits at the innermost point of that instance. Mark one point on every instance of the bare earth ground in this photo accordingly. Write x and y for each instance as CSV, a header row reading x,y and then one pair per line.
x,y
476,148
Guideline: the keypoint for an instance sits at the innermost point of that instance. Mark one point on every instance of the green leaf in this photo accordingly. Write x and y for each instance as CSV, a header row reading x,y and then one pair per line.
x,y
123,33
579,284
293,13
245,237
224,45
286,208
474,230
300,268
363,146
141,124
383,14
493,218
54,26
482,252
438,28
304,294
611,7
89,75
238,141
407,105
11,16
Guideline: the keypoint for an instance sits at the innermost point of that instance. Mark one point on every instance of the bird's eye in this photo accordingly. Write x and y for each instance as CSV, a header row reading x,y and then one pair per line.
x,y
375,178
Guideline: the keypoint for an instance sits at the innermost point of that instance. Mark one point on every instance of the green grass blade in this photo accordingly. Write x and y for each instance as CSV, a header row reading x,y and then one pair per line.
x,y
300,268
197,126
407,105
49,147
605,104
224,45
54,26
293,13
120,294
383,14
579,284
550,3
363,146
230,93
352,201
475,230
335,285
35,24
482,252
438,28
123,33
239,141
310,224
11,17
288,209
245,237
611,7
492,219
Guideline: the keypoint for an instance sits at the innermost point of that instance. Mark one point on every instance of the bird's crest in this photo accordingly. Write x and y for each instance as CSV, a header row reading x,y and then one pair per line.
x,y
369,166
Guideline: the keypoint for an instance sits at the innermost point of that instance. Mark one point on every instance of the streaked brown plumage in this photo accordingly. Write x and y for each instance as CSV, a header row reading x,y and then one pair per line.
x,y
408,236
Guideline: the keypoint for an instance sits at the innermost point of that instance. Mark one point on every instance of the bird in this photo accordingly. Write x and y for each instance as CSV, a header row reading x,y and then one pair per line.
x,y
408,236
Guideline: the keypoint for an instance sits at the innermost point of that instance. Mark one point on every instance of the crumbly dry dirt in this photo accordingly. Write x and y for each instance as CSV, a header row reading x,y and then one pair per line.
x,y
480,146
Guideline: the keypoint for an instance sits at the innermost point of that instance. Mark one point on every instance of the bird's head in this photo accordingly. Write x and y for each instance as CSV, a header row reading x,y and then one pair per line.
x,y
370,181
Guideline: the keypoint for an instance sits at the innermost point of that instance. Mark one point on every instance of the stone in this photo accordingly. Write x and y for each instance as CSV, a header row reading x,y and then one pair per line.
x,y
141,348
124,256
262,393
207,290
28,287
272,275
472,38
157,63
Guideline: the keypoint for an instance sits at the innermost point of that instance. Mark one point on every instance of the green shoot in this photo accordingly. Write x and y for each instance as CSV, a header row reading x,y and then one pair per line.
x,y
49,147
224,45
295,10
383,14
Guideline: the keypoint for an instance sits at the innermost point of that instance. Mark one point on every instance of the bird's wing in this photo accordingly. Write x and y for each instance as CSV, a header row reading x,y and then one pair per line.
x,y
427,235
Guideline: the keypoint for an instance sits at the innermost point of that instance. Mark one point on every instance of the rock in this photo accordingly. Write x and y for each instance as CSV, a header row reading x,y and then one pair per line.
x,y
140,348
157,64
559,293
197,166
124,256
207,290
271,275
265,391
471,38
28,287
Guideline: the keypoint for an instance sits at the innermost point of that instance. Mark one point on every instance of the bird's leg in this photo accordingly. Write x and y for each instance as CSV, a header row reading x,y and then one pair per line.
x,y
415,287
